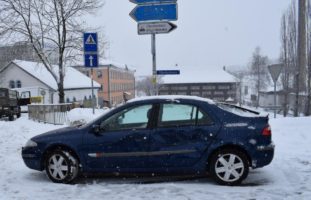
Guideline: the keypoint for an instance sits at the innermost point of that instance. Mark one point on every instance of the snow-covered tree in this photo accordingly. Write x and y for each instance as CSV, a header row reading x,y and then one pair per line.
x,y
259,71
49,26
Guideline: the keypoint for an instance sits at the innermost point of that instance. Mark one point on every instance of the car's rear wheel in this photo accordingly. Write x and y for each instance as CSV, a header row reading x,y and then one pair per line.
x,y
229,166
62,166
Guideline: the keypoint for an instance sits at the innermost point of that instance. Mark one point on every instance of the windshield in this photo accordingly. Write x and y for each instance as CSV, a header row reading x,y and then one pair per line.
x,y
86,124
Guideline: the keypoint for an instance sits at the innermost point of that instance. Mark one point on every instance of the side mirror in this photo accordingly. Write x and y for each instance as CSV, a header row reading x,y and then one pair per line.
x,y
96,129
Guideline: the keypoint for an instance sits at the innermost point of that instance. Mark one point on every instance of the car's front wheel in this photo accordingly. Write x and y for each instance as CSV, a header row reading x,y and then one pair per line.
x,y
62,166
229,166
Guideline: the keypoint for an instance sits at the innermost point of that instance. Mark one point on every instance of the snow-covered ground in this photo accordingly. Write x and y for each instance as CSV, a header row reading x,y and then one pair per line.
x,y
288,177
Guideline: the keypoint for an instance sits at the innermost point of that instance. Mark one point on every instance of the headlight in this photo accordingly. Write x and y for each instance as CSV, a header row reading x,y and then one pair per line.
x,y
31,143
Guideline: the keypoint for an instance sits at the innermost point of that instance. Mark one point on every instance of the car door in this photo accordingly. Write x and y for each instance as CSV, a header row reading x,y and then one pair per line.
x,y
122,142
182,135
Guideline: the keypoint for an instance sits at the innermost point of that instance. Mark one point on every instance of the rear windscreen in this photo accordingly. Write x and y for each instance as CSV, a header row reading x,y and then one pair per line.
x,y
238,110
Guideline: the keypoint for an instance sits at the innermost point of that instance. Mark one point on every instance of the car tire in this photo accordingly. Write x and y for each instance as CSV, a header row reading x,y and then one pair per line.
x,y
62,166
229,166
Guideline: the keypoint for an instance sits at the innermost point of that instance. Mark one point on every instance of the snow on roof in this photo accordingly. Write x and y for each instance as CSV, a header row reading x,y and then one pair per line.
x,y
200,75
172,98
73,78
110,62
107,62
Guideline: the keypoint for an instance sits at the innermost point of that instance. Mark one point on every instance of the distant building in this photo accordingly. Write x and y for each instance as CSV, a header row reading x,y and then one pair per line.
x,y
33,76
23,51
213,84
116,80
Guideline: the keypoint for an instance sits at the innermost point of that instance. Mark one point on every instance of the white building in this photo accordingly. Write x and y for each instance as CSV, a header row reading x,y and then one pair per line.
x,y
33,76
213,83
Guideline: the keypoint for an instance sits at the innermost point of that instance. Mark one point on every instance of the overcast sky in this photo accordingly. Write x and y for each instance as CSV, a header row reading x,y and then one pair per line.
x,y
210,34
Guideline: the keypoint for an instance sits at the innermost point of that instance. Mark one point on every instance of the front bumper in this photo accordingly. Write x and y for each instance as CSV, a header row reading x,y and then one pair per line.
x,y
32,158
263,155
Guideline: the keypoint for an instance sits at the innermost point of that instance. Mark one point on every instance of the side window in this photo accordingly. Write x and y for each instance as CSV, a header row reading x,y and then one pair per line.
x,y
131,118
204,118
177,115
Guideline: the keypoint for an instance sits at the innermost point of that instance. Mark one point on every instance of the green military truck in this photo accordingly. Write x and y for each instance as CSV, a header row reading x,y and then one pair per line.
x,y
9,104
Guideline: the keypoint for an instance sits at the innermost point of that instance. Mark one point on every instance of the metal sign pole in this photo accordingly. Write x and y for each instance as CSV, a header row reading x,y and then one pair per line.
x,y
274,99
92,83
154,63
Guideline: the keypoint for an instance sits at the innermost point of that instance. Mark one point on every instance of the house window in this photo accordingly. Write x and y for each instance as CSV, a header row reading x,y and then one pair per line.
x,y
102,87
246,90
67,100
209,87
224,87
99,74
195,87
18,84
12,84
74,99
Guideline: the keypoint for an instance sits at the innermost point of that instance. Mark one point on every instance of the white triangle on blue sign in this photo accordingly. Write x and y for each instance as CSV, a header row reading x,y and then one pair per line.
x,y
90,40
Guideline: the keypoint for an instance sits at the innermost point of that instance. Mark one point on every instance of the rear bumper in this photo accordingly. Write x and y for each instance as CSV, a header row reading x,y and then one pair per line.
x,y
263,156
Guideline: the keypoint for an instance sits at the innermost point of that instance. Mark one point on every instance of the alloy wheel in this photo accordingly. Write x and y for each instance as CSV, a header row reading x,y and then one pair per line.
x,y
229,167
58,167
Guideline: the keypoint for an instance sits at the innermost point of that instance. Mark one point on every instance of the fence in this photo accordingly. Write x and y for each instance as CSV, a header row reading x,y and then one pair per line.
x,y
52,114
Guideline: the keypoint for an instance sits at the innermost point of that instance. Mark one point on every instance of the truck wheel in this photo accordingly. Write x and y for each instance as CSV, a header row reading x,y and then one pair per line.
x,y
11,117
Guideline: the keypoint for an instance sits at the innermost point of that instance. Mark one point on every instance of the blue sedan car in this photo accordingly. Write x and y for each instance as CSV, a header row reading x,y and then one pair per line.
x,y
162,134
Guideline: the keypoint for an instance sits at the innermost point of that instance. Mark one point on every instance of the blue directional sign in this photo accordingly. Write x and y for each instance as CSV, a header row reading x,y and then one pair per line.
x,y
90,42
155,12
151,1
90,60
168,72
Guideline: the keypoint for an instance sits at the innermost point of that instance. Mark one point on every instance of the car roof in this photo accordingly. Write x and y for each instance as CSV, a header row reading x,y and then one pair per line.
x,y
171,98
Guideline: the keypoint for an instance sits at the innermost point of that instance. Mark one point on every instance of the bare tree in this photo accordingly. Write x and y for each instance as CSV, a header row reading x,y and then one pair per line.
x,y
292,40
289,54
284,58
258,69
146,85
240,76
49,26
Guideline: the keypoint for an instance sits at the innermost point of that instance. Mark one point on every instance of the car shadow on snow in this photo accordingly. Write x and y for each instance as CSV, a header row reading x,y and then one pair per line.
x,y
255,178
37,177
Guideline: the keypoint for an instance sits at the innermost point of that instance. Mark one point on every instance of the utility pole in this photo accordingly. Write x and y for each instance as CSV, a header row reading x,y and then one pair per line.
x,y
308,109
302,51
154,63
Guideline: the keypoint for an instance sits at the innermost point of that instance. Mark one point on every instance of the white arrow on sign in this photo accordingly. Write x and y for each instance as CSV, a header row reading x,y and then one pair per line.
x,y
91,61
155,28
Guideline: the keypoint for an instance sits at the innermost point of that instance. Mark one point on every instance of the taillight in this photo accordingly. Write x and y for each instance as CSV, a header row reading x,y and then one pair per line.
x,y
267,131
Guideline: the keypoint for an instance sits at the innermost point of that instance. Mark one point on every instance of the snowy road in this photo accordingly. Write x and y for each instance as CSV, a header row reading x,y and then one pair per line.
x,y
288,177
